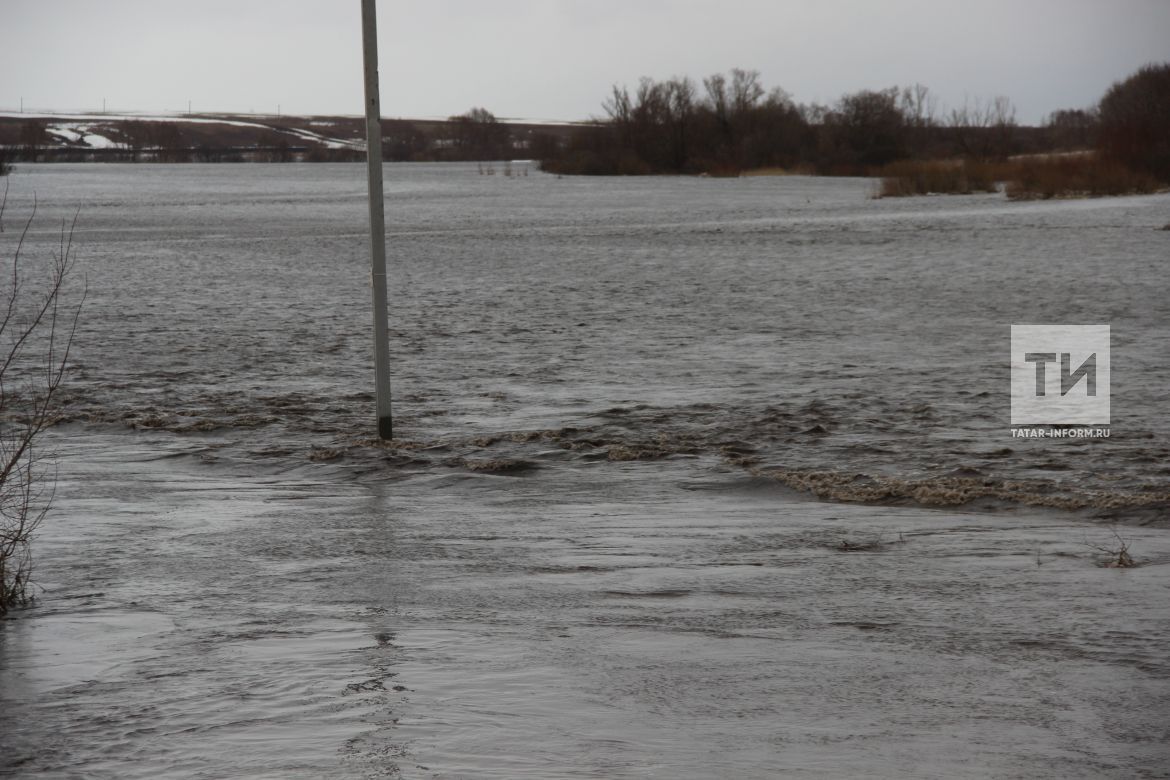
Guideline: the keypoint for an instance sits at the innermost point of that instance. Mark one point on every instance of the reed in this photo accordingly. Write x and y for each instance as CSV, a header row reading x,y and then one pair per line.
x,y
1083,175
1075,176
931,177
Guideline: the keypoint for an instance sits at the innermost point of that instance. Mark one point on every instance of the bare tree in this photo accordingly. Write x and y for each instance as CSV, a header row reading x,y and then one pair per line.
x,y
1074,128
718,100
36,328
746,90
870,127
984,129
1135,121
919,107
680,110
618,105
731,104
3,200
1003,126
478,135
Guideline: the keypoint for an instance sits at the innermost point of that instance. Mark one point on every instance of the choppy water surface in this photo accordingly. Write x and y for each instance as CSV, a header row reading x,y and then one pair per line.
x,y
596,547
793,326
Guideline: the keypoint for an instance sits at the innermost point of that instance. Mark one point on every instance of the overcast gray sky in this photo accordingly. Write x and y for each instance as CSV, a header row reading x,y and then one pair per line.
x,y
556,59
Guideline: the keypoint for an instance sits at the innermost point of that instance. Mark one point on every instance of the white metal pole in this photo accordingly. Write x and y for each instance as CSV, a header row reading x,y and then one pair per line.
x,y
377,218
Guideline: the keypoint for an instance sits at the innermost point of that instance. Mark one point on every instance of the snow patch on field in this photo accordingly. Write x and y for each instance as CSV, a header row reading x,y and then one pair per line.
x,y
330,143
70,135
80,132
95,141
76,127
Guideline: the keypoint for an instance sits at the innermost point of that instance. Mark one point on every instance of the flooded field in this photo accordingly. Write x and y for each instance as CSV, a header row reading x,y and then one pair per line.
x,y
692,478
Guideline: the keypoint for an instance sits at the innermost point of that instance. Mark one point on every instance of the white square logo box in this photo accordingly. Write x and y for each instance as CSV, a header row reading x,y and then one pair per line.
x,y
1060,375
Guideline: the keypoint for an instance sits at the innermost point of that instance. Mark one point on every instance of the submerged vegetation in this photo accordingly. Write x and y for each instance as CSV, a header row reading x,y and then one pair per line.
x,y
1083,176
1117,555
927,177
1029,177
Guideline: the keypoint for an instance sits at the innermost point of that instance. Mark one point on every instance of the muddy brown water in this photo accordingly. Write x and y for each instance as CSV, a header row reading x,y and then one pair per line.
x,y
608,541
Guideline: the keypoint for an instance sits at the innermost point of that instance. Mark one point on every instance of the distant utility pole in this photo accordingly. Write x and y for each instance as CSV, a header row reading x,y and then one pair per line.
x,y
377,218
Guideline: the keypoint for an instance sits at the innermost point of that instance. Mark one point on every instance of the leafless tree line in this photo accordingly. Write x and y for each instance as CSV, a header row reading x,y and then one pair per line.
x,y
732,122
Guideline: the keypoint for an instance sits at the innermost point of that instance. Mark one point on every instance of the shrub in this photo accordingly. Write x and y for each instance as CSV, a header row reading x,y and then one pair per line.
x,y
1135,122
1117,553
1075,176
923,177
37,327
1037,177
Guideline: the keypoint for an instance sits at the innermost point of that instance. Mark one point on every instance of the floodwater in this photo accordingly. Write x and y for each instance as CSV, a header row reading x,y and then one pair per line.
x,y
691,478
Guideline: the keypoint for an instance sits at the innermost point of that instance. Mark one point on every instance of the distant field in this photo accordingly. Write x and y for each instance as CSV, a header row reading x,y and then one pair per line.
x,y
234,137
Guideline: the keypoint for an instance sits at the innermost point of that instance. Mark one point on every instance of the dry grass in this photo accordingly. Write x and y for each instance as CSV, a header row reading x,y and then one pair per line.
x,y
776,170
1025,178
1075,177
721,171
928,177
